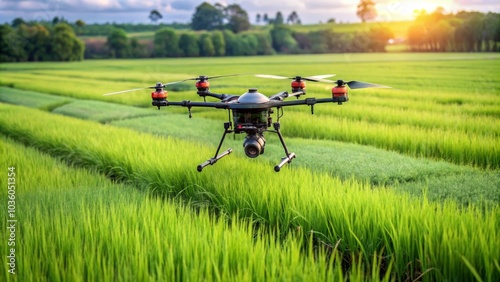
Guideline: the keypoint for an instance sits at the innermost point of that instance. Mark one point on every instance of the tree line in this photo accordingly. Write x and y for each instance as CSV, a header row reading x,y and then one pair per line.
x,y
460,32
217,30
39,42
169,42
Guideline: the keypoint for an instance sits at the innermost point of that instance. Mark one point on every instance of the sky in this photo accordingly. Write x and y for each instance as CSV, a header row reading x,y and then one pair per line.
x,y
181,11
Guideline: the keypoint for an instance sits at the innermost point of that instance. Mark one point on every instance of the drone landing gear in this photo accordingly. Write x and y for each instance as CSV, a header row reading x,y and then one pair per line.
x,y
217,157
289,156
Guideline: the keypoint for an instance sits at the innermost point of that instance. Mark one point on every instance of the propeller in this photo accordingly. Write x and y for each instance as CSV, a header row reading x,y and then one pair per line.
x,y
283,95
315,78
161,85
158,85
359,84
204,77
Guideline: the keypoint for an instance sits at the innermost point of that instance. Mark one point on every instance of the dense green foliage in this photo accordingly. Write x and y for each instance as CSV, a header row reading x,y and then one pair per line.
x,y
37,42
463,32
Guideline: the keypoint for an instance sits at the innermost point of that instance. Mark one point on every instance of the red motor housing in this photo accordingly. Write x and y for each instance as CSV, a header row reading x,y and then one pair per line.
x,y
202,85
159,95
159,98
298,85
339,94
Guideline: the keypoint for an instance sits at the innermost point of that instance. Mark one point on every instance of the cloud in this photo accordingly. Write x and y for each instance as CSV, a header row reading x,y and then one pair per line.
x,y
183,6
310,11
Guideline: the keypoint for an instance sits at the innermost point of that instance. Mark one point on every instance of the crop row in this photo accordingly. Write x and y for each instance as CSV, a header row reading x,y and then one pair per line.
x,y
78,226
453,146
344,160
417,236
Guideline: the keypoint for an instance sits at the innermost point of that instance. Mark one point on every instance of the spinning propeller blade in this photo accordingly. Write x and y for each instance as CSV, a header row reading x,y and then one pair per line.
x,y
271,76
125,91
315,78
161,85
359,84
204,77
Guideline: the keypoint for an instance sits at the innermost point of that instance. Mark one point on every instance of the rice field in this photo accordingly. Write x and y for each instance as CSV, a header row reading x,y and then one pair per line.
x,y
396,184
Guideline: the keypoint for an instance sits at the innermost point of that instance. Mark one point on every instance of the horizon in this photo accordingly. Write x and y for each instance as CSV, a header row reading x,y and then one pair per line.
x,y
137,12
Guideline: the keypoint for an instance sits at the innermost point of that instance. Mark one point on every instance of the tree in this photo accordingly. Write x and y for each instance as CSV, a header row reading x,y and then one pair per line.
x,y
36,42
188,43
264,44
366,10
137,50
417,36
219,43
155,15
379,37
207,17
17,22
293,18
250,44
265,18
65,46
258,18
283,40
279,19
439,36
237,18
79,26
166,43
118,44
9,45
230,40
206,46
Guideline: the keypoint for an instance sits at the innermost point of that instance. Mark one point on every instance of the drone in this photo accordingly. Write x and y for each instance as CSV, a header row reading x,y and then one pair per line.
x,y
251,112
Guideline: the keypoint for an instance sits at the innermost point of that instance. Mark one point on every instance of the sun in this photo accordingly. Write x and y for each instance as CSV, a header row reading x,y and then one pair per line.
x,y
406,9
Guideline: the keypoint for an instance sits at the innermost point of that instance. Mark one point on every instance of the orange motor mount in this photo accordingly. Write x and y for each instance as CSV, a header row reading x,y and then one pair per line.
x,y
340,94
202,85
159,96
298,85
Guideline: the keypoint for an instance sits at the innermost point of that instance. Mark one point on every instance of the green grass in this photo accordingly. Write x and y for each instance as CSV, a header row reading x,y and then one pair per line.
x,y
416,235
75,225
405,180
439,180
102,111
444,106
31,98
415,176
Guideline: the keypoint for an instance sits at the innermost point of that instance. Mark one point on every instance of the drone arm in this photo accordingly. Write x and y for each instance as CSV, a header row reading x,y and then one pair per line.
x,y
222,97
308,101
189,104
210,94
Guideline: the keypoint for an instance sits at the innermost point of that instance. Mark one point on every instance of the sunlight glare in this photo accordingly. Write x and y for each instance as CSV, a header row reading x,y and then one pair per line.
x,y
406,9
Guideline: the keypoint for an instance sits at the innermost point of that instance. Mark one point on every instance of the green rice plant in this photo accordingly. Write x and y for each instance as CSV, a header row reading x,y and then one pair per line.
x,y
78,226
473,190
102,111
31,99
418,238
440,180
456,147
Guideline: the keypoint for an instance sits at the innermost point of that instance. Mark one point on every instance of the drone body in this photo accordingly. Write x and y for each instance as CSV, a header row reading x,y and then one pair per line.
x,y
252,111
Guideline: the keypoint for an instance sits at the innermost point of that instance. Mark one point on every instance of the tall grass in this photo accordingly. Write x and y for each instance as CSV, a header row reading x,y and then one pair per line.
x,y
77,226
450,101
415,237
